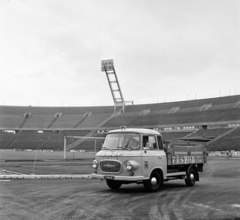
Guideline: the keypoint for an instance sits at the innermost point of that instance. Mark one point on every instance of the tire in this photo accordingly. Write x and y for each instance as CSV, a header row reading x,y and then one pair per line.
x,y
154,183
114,184
191,177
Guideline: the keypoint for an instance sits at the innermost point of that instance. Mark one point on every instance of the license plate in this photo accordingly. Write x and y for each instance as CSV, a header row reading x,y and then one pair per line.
x,y
109,177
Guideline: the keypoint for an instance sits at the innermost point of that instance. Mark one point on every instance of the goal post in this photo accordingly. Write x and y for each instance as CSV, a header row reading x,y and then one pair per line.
x,y
70,142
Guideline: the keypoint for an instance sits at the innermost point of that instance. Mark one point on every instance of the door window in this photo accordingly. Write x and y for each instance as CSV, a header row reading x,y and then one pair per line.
x,y
149,142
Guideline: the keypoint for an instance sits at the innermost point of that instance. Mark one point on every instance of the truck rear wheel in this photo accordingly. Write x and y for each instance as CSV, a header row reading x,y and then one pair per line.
x,y
114,184
154,183
191,177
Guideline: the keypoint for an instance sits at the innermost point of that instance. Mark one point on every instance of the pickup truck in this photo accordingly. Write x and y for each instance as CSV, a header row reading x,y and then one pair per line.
x,y
136,155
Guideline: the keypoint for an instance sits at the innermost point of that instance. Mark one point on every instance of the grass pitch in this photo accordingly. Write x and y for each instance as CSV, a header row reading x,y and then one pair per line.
x,y
216,196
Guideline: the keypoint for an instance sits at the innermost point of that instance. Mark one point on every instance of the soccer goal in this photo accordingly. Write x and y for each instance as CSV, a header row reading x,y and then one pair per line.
x,y
82,144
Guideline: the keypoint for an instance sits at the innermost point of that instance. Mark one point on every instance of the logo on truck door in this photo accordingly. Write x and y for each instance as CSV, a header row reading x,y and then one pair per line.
x,y
111,155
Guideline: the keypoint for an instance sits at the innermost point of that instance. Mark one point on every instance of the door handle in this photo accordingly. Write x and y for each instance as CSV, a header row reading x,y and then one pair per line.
x,y
159,157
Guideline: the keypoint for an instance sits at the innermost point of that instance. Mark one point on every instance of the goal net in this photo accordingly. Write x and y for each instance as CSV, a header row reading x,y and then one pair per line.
x,y
82,144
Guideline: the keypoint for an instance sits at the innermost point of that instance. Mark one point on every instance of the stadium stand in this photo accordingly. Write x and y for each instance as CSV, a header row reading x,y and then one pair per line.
x,y
11,121
67,121
169,136
209,133
39,121
222,107
160,119
94,120
230,141
184,104
121,120
45,127
6,139
188,110
29,141
214,116
55,143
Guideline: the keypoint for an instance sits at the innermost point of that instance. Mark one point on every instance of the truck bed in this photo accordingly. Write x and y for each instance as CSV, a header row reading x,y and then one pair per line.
x,y
183,153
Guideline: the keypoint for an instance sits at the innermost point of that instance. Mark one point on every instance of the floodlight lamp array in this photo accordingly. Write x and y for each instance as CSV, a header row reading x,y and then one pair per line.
x,y
107,65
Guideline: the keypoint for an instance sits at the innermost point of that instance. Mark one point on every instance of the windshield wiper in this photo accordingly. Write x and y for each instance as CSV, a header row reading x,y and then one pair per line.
x,y
106,148
125,147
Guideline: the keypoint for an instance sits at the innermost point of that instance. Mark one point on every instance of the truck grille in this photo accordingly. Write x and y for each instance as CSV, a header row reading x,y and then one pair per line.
x,y
110,166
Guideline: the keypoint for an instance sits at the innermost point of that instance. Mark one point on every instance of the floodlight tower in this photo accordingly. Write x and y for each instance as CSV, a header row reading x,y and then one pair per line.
x,y
107,66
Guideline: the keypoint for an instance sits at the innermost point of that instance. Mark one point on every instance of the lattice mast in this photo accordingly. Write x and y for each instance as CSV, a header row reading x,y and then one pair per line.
x,y
107,66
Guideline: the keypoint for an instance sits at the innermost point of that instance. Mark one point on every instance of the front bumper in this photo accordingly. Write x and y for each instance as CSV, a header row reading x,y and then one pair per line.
x,y
122,178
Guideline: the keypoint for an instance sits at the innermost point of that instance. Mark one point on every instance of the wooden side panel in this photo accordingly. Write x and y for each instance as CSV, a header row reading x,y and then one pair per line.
x,y
180,155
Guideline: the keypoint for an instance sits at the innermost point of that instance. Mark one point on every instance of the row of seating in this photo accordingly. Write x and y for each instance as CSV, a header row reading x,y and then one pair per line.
x,y
228,142
209,133
49,141
184,118
55,141
43,121
169,136
227,100
34,140
68,121
52,110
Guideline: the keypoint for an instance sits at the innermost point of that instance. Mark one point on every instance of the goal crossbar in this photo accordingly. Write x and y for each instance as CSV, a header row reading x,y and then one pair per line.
x,y
84,137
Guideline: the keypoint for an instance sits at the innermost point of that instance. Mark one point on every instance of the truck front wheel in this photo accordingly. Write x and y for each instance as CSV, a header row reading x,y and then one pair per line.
x,y
154,183
114,184
191,177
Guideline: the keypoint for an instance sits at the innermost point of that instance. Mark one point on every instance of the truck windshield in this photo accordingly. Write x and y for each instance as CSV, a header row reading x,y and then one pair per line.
x,y
122,141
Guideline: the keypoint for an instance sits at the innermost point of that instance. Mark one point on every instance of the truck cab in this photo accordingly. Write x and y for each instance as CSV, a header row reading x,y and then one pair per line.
x,y
137,155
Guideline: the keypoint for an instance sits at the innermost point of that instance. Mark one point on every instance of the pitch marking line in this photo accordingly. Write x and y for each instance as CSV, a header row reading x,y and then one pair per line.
x,y
235,205
33,177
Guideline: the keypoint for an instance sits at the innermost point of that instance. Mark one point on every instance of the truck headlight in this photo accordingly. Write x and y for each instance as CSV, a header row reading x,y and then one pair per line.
x,y
129,166
95,164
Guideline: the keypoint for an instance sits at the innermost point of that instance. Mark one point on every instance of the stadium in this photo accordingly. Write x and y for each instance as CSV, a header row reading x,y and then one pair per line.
x,y
32,140
46,158
178,64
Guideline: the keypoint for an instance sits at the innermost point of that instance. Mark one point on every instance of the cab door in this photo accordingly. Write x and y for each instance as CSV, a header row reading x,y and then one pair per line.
x,y
152,156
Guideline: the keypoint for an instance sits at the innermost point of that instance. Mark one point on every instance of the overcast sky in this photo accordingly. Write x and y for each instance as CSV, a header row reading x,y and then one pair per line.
x,y
51,50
